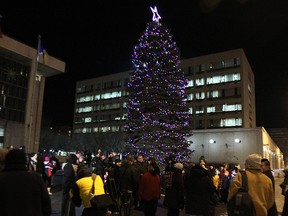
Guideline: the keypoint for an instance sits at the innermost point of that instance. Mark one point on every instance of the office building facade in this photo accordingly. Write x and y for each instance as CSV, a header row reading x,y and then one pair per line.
x,y
220,101
220,94
22,82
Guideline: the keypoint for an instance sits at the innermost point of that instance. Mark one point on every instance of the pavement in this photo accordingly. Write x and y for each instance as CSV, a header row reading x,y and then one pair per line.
x,y
220,209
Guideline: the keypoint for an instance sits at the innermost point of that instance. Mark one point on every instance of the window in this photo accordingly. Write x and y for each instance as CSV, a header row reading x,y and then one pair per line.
x,y
85,99
211,109
213,94
231,122
190,97
199,82
199,110
200,95
190,83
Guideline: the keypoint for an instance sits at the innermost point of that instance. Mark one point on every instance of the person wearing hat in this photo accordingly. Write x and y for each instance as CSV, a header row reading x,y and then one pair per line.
x,y
174,196
22,192
260,186
47,174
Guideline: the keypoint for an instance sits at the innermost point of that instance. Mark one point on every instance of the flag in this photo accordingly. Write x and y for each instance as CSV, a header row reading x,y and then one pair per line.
x,y
39,48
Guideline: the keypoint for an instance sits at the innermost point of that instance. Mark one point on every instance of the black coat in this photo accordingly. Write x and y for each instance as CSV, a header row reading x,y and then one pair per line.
x,y
273,210
23,193
128,175
199,189
174,197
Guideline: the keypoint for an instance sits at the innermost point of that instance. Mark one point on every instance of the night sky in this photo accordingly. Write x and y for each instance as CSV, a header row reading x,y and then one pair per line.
x,y
96,38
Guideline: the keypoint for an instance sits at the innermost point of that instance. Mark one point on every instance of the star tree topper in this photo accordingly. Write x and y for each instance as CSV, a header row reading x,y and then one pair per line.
x,y
156,16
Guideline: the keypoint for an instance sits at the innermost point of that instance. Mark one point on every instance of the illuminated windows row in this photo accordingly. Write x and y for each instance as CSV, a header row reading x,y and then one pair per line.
x,y
103,96
219,123
100,86
212,80
101,107
103,129
101,118
216,108
212,66
213,94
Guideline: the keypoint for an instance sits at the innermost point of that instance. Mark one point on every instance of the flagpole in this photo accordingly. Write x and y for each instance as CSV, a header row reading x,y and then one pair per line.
x,y
31,137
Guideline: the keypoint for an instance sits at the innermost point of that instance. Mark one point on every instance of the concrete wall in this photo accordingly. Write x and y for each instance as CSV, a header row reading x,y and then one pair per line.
x,y
225,149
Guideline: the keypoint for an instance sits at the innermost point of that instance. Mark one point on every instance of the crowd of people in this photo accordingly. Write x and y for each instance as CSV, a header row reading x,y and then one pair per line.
x,y
196,188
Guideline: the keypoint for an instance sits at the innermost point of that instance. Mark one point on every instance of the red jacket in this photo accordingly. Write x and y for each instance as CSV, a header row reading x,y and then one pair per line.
x,y
149,187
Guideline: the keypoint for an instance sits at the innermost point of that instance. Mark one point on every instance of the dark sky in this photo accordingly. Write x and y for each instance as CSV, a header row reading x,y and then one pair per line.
x,y
96,37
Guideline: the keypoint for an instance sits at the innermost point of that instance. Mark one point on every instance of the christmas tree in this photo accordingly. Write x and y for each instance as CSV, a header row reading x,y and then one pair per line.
x,y
157,121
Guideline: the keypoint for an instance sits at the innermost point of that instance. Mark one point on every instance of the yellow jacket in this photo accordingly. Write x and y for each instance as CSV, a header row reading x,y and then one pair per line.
x,y
259,188
85,185
216,181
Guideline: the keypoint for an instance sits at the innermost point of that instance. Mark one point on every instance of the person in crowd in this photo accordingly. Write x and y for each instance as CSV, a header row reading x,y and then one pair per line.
x,y
174,196
81,192
115,173
170,161
157,168
56,164
149,190
101,167
47,173
203,163
225,178
284,187
88,158
266,169
199,191
32,164
22,192
3,153
141,167
128,176
260,187
69,177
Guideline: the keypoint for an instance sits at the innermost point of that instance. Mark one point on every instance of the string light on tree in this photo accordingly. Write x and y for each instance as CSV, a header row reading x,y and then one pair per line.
x,y
157,121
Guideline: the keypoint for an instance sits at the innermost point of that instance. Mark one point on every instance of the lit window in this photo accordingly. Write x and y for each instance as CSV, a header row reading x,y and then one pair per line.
x,y
211,109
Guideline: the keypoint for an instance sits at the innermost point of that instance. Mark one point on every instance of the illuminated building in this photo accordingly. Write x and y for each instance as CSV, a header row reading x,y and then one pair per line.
x,y
220,94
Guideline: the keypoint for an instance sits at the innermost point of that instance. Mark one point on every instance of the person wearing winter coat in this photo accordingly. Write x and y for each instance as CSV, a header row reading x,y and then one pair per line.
x,y
284,187
174,196
47,174
81,192
199,189
69,178
149,190
22,193
266,169
260,187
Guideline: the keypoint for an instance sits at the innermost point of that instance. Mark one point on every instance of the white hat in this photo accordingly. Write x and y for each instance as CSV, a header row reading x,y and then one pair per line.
x,y
178,166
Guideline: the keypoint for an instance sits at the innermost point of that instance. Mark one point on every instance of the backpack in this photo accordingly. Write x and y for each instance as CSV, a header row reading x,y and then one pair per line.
x,y
241,203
